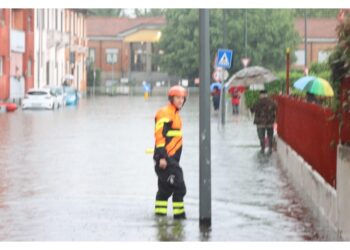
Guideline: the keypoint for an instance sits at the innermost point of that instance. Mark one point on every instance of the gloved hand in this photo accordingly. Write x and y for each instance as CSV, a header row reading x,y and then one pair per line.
x,y
171,179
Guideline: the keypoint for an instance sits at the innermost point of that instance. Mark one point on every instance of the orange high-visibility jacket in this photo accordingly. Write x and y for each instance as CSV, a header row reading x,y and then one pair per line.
x,y
167,133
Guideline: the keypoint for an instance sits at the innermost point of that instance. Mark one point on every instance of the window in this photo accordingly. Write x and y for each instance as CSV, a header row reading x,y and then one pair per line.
x,y
2,17
300,55
138,57
29,23
48,19
29,68
1,66
92,55
37,18
62,20
156,55
112,56
43,18
56,19
322,56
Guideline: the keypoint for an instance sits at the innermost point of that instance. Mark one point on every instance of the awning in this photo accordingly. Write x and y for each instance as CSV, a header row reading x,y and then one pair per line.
x,y
144,36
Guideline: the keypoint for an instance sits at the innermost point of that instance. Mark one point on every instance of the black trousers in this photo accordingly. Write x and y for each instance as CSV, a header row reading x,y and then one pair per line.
x,y
170,182
261,134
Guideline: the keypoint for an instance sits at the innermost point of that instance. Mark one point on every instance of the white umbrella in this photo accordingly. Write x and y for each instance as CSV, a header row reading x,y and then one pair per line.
x,y
251,75
69,77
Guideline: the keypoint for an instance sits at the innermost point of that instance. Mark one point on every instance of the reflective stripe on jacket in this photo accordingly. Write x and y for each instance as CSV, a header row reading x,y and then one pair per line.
x,y
168,134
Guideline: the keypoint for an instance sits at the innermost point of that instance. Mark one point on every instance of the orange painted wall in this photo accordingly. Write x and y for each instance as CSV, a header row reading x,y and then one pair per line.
x,y
4,53
19,22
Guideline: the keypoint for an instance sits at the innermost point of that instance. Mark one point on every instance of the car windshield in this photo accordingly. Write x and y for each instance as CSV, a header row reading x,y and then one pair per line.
x,y
37,93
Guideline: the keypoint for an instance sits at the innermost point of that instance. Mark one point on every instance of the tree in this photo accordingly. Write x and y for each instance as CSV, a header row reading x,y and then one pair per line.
x,y
149,12
107,12
322,13
180,43
270,32
339,60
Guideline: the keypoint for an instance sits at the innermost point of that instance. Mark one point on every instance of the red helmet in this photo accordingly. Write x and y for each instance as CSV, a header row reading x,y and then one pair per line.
x,y
177,91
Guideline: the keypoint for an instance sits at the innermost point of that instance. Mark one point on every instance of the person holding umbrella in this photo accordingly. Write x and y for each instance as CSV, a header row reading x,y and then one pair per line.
x,y
265,114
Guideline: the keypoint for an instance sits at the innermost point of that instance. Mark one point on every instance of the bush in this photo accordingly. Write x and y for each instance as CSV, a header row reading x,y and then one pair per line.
x,y
339,60
251,97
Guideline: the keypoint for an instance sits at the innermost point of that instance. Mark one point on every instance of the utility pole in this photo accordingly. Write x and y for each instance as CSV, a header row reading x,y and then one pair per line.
x,y
245,33
305,40
204,122
287,71
223,91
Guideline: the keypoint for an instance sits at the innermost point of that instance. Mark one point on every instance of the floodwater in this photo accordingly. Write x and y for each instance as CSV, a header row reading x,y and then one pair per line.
x,y
82,174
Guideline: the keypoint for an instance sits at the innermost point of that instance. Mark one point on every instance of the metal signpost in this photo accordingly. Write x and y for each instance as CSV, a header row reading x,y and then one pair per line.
x,y
204,122
224,60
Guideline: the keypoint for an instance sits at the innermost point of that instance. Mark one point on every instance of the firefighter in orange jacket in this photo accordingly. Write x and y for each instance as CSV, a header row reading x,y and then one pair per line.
x,y
167,153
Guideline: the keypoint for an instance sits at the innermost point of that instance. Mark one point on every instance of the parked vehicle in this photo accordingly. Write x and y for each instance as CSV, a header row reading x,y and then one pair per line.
x,y
71,96
58,92
39,98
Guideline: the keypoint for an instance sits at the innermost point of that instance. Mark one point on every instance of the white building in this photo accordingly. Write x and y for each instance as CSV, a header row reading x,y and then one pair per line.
x,y
60,47
49,46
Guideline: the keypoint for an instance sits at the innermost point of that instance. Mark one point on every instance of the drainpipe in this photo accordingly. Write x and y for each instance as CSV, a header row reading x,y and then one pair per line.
x,y
9,56
40,45
287,71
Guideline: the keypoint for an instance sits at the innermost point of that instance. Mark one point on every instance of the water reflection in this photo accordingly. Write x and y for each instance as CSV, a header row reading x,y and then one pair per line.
x,y
169,229
54,164
205,230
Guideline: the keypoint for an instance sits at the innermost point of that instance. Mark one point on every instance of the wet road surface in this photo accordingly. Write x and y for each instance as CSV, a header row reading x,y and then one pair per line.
x,y
81,173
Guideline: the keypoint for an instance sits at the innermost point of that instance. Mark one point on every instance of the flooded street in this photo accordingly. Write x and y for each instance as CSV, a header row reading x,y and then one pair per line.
x,y
82,174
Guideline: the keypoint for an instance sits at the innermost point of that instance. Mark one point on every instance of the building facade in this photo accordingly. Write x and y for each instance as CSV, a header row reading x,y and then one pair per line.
x,y
41,47
16,52
124,48
60,47
321,38
77,50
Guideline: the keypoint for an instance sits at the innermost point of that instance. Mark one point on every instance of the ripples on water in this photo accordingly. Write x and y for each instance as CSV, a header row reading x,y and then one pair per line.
x,y
82,174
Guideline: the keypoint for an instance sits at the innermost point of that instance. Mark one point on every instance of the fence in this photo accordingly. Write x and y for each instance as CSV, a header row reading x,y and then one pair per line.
x,y
345,111
312,131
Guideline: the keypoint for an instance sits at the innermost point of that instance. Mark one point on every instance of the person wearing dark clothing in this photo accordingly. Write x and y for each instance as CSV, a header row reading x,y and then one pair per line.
x,y
167,154
265,114
310,97
216,97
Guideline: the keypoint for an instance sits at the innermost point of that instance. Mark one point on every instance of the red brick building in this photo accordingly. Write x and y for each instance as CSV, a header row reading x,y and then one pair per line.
x,y
124,47
16,52
321,38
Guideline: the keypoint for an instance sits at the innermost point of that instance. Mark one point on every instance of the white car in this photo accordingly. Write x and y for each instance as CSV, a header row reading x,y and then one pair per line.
x,y
59,93
39,98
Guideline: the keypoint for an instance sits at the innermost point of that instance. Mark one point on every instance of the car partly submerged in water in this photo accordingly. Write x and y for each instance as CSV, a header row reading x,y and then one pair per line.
x,y
39,98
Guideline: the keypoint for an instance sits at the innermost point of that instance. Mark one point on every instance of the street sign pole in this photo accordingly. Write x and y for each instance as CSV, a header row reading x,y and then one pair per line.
x,y
224,60
222,98
204,122
94,82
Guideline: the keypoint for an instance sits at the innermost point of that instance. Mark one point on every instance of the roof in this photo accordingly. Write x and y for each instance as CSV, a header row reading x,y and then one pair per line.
x,y
317,27
113,26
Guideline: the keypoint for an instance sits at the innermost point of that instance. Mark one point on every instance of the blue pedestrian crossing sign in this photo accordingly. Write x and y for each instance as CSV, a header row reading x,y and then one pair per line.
x,y
224,58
